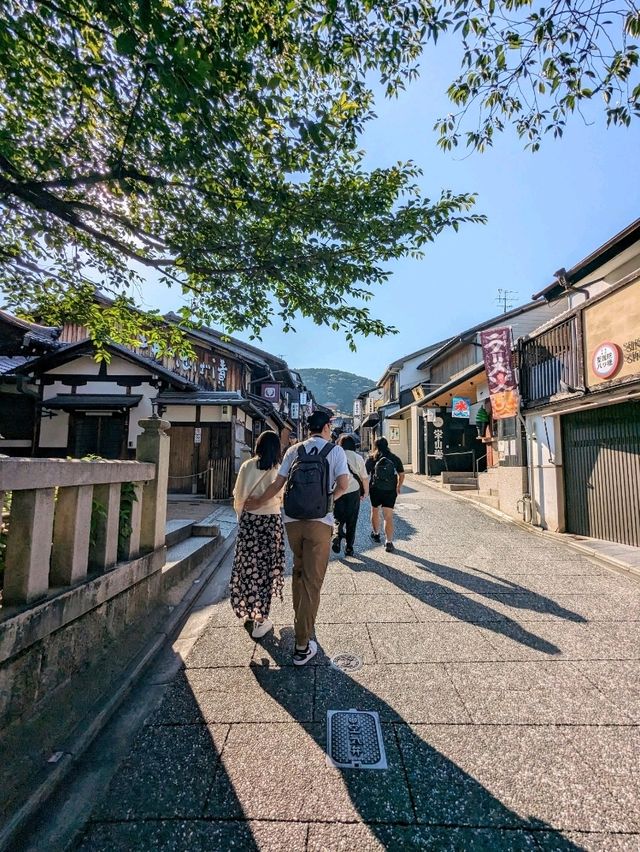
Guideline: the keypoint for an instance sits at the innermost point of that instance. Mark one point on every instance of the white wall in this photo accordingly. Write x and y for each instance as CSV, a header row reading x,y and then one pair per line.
x,y
544,447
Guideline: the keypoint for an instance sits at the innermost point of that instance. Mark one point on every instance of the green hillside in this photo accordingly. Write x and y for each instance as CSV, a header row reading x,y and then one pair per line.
x,y
335,386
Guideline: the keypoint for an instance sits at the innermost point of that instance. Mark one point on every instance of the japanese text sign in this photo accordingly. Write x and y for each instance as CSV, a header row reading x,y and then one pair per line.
x,y
503,388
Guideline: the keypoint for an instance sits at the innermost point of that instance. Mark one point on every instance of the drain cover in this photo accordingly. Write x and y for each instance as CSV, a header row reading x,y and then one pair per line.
x,y
346,661
354,740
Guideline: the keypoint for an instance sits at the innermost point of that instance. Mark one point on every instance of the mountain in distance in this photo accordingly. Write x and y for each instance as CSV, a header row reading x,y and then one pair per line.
x,y
335,386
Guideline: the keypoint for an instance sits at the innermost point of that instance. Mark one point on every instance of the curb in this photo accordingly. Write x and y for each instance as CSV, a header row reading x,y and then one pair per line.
x,y
605,561
74,748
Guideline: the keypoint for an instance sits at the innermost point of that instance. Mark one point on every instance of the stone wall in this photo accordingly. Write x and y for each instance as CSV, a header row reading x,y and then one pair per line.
x,y
44,646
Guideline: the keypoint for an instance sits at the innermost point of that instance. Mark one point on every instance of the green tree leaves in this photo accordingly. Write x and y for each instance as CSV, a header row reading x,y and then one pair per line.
x,y
213,144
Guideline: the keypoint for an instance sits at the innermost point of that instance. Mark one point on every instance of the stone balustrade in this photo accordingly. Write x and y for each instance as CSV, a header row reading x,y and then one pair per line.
x,y
65,519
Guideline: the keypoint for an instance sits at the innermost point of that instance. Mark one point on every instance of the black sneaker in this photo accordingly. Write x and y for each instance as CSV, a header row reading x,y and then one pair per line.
x,y
389,547
302,657
375,536
348,551
335,545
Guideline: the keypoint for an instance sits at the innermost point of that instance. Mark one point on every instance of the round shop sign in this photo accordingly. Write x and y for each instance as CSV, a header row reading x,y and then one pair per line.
x,y
606,360
438,422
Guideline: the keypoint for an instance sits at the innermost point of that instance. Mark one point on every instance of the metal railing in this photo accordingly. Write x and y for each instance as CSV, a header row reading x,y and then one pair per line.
x,y
551,363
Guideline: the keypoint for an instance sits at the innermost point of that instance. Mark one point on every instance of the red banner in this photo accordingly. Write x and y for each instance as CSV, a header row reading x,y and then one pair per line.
x,y
503,385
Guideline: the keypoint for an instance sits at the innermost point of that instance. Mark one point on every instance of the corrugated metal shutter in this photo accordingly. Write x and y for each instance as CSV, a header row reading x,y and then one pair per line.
x,y
601,455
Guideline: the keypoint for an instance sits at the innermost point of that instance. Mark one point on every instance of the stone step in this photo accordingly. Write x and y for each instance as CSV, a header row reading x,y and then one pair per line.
x,y
183,557
455,476
486,499
459,486
178,530
207,527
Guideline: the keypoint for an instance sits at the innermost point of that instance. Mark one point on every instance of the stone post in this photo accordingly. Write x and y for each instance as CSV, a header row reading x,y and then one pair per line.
x,y
104,553
71,528
153,446
28,546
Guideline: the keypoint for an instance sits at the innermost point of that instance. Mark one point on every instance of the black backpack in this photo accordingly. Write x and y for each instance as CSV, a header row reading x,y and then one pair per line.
x,y
307,494
384,476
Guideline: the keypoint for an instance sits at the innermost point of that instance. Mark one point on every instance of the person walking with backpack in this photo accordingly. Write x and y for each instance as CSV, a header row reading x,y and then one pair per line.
x,y
316,473
386,475
347,508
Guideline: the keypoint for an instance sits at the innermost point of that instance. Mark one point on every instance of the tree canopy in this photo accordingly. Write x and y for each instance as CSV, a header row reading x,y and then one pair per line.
x,y
531,65
212,144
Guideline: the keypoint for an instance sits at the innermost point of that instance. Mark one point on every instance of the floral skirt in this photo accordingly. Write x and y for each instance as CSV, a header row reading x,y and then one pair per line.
x,y
258,565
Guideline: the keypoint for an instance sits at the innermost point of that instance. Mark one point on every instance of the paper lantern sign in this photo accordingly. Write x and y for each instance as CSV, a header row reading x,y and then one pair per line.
x,y
606,360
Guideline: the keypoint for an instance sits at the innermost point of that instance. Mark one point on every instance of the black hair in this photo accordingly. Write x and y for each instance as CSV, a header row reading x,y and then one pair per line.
x,y
382,448
268,450
347,442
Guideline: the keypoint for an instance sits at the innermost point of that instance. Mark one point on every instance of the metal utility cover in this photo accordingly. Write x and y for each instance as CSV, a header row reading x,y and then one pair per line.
x,y
354,740
346,661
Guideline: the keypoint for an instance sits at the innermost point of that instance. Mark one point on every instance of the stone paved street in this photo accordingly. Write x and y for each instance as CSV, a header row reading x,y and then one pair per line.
x,y
506,672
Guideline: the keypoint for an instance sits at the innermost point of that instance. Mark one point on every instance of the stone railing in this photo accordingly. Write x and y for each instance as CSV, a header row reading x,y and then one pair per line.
x,y
65,522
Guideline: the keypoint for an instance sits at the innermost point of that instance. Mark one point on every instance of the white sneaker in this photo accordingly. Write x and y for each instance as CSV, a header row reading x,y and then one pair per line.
x,y
302,657
261,628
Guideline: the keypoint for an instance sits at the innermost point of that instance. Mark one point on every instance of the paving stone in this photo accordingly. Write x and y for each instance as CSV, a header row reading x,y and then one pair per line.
x,y
533,770
400,838
167,774
588,841
276,649
296,784
194,836
231,695
611,674
222,647
413,693
614,754
345,609
428,642
519,675
338,584
543,707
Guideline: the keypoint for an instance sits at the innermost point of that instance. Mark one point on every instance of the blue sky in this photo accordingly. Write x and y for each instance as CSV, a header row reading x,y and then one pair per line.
x,y
545,211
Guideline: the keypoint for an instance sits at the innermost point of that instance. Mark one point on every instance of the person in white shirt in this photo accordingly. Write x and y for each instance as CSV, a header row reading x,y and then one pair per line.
x,y
310,540
347,508
259,561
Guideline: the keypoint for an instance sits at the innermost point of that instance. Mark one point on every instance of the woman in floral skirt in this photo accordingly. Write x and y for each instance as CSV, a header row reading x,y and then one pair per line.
x,y
258,565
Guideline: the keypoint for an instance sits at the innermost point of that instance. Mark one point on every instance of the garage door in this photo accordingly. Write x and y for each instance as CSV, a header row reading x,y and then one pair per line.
x,y
601,454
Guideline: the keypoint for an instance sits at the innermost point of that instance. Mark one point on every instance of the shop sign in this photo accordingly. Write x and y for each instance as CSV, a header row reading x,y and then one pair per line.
x,y
431,415
197,435
438,450
394,434
606,360
294,411
271,392
303,397
461,407
501,377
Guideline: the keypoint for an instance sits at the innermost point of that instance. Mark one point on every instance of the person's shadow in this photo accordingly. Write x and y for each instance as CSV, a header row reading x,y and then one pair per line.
x,y
423,799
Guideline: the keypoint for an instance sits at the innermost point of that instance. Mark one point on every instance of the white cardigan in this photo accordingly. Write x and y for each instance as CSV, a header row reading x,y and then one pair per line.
x,y
246,484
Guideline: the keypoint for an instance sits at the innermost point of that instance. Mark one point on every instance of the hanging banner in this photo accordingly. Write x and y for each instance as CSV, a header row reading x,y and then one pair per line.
x,y
294,411
503,387
271,392
461,407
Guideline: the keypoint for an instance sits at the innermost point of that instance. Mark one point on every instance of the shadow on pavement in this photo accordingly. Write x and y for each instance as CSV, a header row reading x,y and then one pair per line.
x,y
424,799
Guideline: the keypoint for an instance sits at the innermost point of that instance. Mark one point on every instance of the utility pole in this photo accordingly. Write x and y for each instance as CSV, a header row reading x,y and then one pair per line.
x,y
505,298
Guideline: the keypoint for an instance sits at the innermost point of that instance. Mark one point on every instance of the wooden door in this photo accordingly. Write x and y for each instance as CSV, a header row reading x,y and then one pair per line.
x,y
183,460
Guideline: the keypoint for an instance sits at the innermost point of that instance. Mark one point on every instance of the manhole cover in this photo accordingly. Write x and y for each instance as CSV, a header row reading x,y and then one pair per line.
x,y
354,740
346,661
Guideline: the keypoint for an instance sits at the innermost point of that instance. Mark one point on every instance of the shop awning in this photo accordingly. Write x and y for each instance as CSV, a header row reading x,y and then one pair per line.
x,y
91,402
370,421
461,384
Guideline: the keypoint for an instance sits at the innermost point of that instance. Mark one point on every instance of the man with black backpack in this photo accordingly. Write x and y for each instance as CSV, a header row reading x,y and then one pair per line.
x,y
386,475
316,473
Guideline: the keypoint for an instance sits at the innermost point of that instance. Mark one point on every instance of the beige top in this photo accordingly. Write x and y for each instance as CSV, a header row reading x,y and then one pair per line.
x,y
356,463
253,481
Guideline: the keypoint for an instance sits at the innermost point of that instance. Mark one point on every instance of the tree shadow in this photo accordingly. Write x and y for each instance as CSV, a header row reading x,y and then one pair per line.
x,y
423,799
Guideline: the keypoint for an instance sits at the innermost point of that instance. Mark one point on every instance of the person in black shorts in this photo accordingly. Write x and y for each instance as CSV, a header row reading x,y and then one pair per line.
x,y
386,475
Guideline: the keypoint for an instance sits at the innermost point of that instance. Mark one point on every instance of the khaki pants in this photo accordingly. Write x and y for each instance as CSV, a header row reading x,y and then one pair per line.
x,y
310,542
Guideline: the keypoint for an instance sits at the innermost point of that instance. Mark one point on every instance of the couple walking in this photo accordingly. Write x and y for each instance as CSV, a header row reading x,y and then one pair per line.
x,y
317,475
